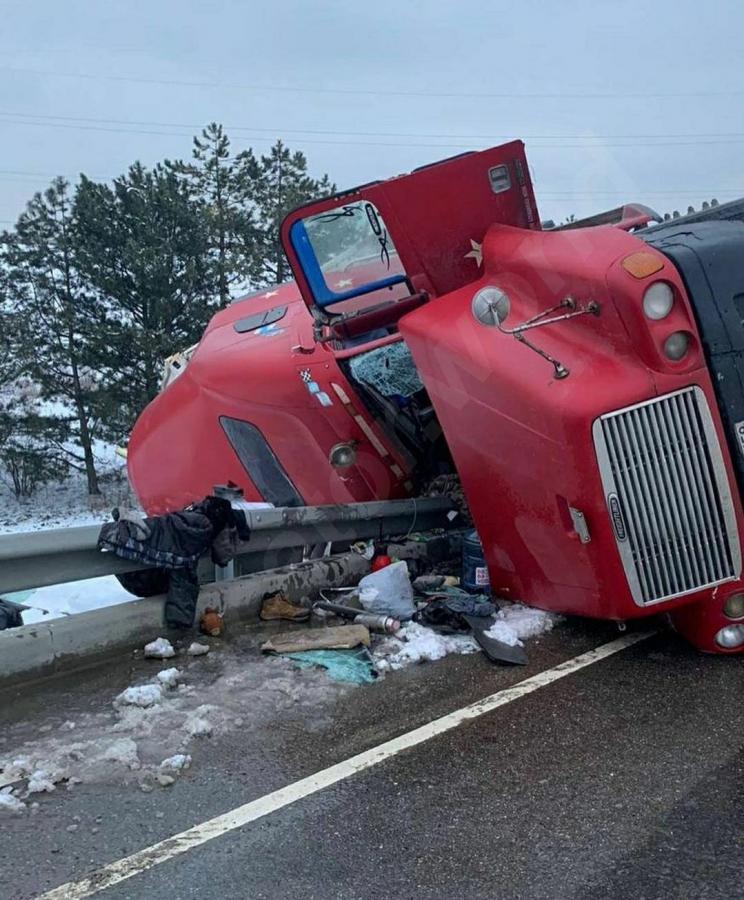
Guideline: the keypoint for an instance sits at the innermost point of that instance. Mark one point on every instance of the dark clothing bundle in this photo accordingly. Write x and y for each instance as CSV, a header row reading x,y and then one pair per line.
x,y
174,543
447,611
10,615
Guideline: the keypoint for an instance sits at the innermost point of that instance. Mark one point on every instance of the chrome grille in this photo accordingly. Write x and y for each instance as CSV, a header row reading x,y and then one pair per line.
x,y
668,496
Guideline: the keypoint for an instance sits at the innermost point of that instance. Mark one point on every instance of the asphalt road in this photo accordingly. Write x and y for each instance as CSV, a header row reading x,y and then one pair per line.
x,y
623,779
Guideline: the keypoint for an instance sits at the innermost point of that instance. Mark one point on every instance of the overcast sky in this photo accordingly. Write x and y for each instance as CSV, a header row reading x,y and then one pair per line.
x,y
615,101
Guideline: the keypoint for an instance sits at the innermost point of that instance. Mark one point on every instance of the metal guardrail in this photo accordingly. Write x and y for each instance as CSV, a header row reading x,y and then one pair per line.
x,y
36,559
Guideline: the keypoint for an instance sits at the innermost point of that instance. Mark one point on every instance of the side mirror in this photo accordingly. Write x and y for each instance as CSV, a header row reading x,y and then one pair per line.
x,y
490,307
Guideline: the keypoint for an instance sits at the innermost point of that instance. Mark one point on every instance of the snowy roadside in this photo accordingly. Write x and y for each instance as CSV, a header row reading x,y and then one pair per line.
x,y
66,505
149,734
145,736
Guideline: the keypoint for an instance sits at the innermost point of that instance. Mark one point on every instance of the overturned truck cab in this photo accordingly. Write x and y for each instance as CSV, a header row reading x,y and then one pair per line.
x,y
586,384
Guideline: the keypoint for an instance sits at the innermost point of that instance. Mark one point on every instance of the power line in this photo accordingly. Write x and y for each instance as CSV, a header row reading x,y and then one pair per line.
x,y
402,134
344,143
367,92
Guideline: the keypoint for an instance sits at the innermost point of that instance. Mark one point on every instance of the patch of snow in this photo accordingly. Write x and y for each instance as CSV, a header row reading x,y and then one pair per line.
x,y
11,804
415,643
130,745
59,600
527,621
122,751
169,677
66,504
161,648
40,782
197,649
20,767
141,695
197,725
500,631
178,762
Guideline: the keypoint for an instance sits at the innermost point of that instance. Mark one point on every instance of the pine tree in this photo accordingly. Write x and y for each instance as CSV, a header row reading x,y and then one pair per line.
x,y
282,183
223,185
145,253
50,308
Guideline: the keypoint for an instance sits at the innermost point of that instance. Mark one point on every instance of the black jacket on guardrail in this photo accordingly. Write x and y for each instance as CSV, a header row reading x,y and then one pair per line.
x,y
10,615
174,543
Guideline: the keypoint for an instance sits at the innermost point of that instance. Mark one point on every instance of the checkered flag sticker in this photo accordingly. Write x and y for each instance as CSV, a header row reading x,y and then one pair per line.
x,y
306,375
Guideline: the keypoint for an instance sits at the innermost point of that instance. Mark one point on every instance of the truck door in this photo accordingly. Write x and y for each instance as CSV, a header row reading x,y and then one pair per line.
x,y
365,257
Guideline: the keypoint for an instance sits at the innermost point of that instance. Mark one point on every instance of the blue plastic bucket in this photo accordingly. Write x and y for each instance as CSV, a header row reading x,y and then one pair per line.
x,y
474,569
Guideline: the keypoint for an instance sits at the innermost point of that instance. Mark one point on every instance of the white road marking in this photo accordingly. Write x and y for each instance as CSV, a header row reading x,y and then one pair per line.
x,y
139,862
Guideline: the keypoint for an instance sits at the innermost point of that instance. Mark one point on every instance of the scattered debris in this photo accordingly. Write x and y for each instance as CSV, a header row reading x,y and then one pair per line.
x,y
428,583
276,607
365,549
161,648
338,637
474,569
211,622
496,650
450,609
382,624
449,486
141,695
393,594
126,745
143,739
380,562
351,666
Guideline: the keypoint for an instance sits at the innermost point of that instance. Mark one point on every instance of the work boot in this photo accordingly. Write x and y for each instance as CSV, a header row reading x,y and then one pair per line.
x,y
276,606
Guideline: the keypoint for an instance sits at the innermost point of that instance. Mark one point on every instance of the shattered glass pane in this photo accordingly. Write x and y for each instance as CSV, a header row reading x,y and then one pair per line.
x,y
390,370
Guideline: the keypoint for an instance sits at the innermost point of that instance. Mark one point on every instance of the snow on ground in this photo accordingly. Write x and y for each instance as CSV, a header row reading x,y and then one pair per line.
x,y
66,504
147,734
149,746
415,643
60,600
11,803
516,622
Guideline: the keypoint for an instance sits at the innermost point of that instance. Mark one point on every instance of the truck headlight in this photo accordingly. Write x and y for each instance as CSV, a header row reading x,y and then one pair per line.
x,y
675,346
733,608
730,637
342,455
658,300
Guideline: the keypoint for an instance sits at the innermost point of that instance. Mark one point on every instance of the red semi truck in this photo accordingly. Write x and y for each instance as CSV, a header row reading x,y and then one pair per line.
x,y
584,383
